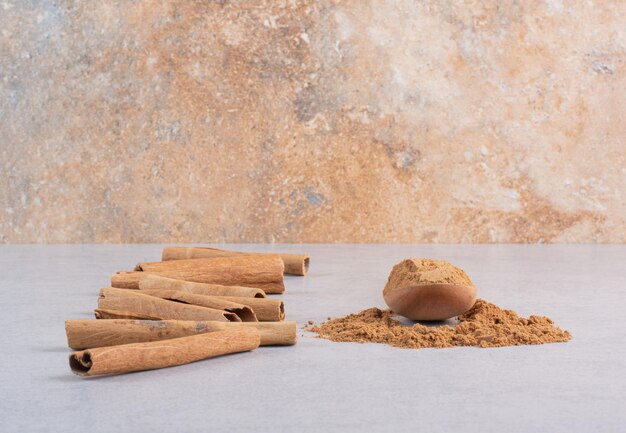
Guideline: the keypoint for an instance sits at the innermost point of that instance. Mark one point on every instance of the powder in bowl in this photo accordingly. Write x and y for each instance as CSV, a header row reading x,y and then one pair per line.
x,y
427,289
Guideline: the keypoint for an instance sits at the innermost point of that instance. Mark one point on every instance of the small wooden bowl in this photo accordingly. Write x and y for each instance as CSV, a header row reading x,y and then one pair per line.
x,y
431,301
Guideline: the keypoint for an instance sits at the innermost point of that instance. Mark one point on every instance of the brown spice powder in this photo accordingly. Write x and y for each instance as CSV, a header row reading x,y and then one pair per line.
x,y
484,325
411,272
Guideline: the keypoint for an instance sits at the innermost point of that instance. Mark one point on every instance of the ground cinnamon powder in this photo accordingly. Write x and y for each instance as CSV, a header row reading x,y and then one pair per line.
x,y
484,325
411,272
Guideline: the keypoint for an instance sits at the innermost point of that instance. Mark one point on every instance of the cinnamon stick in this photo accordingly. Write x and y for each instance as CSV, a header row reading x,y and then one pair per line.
x,y
149,307
152,281
245,313
266,309
127,358
260,271
102,313
295,264
85,334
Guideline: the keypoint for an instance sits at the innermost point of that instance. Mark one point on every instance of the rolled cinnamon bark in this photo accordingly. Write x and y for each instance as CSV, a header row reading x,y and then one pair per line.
x,y
266,309
245,313
146,306
263,309
85,334
102,313
260,271
127,358
295,264
152,281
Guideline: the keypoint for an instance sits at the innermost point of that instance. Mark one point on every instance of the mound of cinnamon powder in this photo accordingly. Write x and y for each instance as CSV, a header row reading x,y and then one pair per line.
x,y
425,271
484,325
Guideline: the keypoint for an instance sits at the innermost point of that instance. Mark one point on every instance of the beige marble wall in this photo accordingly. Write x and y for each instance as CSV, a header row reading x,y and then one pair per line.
x,y
290,121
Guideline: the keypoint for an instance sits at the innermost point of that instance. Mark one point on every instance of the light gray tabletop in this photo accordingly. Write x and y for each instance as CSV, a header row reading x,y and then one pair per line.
x,y
318,385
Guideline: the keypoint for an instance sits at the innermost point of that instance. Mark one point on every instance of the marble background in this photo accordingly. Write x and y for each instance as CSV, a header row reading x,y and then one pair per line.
x,y
330,121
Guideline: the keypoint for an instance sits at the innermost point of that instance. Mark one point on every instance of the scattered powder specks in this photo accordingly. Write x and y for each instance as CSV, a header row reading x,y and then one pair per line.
x,y
485,325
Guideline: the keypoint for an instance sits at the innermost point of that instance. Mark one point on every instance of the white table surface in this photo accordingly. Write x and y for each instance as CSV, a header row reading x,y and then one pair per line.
x,y
319,385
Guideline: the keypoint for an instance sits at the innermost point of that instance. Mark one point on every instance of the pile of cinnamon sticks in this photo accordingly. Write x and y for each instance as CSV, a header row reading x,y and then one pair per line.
x,y
196,303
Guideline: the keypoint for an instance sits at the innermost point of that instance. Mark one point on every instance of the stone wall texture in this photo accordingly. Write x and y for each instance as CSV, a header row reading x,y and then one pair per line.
x,y
329,121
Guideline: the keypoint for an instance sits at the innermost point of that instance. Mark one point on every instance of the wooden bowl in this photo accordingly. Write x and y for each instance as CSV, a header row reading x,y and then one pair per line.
x,y
431,301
